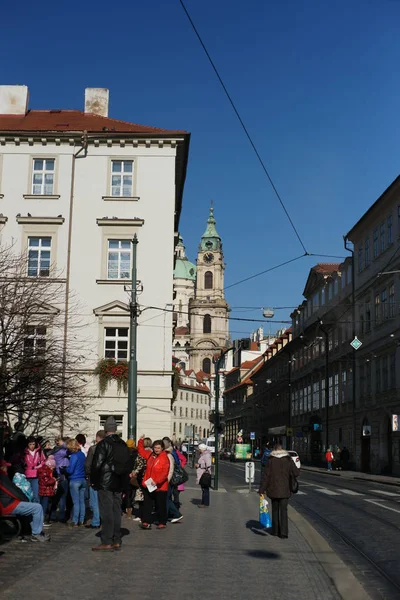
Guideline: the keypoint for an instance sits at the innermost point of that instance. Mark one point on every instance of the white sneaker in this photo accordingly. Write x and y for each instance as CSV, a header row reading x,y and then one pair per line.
x,y
138,519
177,519
46,524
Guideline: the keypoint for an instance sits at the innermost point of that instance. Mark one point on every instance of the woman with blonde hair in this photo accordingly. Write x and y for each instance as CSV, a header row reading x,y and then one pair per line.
x,y
77,482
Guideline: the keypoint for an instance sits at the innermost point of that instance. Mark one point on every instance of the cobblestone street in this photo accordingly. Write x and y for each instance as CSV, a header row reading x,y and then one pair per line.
x,y
221,548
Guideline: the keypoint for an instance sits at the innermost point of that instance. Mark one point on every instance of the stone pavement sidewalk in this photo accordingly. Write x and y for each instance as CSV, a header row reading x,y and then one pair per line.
x,y
219,551
387,479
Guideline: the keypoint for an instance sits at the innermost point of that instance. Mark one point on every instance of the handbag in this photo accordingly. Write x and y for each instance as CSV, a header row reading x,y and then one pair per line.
x,y
134,481
293,484
179,476
205,479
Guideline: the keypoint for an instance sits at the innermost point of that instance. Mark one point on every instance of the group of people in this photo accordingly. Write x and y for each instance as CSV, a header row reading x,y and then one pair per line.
x,y
111,478
338,460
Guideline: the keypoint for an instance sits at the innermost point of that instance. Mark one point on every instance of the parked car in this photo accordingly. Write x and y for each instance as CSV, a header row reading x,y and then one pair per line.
x,y
295,458
225,453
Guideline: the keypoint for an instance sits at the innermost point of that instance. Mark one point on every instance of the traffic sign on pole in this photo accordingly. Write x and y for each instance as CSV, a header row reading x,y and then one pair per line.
x,y
252,435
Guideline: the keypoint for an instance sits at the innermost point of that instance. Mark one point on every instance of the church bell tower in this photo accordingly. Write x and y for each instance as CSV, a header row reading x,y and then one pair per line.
x,y
208,309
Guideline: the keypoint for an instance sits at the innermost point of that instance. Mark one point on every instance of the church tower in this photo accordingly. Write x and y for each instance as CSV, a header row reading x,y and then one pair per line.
x,y
208,309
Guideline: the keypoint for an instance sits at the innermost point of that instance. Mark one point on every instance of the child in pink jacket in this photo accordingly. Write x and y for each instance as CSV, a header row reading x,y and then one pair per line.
x,y
33,458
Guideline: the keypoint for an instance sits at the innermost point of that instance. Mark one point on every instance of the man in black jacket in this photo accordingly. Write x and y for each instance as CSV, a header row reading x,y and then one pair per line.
x,y
109,484
14,502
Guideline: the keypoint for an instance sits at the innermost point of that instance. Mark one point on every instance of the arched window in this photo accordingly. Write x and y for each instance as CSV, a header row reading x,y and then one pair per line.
x,y
207,366
207,324
182,365
208,280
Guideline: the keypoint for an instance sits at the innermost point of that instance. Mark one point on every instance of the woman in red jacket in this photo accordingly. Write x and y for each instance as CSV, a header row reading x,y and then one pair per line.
x,y
155,485
47,483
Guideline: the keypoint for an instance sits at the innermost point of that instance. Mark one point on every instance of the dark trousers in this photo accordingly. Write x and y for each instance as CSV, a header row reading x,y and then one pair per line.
x,y
205,496
279,516
157,500
110,514
173,511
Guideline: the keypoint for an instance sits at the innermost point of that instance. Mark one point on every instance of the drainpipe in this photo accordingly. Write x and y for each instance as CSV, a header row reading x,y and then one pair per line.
x,y
354,333
83,148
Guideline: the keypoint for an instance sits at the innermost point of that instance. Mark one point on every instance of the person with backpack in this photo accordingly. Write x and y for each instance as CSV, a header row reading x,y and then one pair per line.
x,y
329,458
110,467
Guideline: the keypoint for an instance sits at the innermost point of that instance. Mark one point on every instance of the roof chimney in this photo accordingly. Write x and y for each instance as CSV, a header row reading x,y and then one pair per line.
x,y
14,99
96,101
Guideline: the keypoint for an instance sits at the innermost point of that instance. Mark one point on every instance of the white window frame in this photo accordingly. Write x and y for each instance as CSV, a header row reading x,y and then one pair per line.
x,y
117,190
119,251
36,333
40,249
118,352
43,173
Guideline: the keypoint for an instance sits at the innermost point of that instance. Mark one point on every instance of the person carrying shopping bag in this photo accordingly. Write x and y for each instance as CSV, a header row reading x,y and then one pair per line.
x,y
203,473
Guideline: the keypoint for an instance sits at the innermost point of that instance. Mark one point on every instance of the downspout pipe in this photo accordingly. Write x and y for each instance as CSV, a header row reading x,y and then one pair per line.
x,y
83,148
354,333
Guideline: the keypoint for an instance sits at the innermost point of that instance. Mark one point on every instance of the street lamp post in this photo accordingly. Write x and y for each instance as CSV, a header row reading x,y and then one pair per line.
x,y
132,374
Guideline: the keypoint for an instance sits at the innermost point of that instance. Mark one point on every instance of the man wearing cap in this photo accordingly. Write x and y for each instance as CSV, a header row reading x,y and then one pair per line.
x,y
108,479
14,502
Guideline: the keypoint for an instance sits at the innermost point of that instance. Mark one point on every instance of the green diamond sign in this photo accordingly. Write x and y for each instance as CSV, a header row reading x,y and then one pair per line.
x,y
356,343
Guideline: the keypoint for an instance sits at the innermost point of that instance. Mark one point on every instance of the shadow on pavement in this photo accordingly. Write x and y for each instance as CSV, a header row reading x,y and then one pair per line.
x,y
196,501
262,554
256,527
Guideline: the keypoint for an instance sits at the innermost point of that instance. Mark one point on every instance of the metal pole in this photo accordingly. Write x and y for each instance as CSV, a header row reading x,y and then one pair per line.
x,y
249,468
193,447
132,379
327,386
217,422
289,438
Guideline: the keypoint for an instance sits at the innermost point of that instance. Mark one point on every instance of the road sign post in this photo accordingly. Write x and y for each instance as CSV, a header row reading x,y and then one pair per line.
x,y
249,473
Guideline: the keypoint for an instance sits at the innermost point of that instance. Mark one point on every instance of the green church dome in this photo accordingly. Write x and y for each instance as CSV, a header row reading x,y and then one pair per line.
x,y
184,269
210,239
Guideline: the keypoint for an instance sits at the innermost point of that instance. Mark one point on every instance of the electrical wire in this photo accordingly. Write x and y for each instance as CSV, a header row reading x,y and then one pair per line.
x,y
244,127
287,262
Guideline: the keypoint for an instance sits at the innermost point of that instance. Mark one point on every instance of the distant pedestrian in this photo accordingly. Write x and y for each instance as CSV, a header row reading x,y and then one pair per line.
x,y
203,467
276,484
77,482
329,458
93,494
109,469
174,513
345,457
265,456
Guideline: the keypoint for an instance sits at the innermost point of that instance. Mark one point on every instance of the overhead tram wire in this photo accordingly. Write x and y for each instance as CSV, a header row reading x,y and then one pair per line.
x,y
244,128
184,312
287,262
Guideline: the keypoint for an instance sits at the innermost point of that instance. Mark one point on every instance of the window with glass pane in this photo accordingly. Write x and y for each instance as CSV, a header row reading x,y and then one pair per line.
x,y
377,307
39,252
389,230
384,304
35,341
382,237
43,176
122,178
367,258
376,244
336,389
392,307
119,259
116,343
360,259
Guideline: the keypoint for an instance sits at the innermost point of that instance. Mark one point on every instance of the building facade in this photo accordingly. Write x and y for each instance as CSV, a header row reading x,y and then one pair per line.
x,y
75,187
192,407
201,330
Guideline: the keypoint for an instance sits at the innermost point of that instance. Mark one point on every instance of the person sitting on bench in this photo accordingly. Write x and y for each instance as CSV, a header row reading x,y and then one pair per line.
x,y
14,503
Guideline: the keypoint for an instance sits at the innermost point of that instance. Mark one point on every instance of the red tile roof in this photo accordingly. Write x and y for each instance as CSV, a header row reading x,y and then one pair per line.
x,y
181,331
326,268
74,120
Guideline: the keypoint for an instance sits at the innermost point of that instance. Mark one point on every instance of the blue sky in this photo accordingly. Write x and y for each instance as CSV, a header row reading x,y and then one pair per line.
x,y
316,84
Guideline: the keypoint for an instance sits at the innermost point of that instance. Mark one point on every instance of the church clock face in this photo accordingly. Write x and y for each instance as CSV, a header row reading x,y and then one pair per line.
x,y
208,257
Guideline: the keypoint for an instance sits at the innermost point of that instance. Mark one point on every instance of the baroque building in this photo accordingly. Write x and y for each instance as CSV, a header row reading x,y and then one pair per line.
x,y
201,311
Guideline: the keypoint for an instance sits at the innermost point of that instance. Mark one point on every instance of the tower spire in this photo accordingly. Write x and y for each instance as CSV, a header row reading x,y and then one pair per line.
x,y
210,240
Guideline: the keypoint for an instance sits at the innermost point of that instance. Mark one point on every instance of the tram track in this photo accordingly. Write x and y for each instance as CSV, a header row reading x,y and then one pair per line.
x,y
314,515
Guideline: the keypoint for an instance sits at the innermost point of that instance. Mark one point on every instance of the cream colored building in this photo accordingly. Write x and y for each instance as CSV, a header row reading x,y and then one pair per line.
x,y
75,186
192,406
